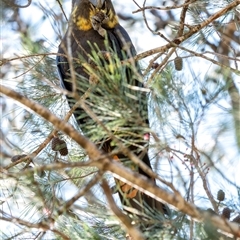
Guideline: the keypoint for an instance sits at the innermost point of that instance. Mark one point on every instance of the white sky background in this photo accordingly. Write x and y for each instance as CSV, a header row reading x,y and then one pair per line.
x,y
143,40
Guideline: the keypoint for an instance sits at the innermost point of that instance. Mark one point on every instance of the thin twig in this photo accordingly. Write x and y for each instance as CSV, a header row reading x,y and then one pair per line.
x,y
28,70
182,18
60,4
119,171
161,8
41,225
164,62
125,220
191,32
13,4
81,193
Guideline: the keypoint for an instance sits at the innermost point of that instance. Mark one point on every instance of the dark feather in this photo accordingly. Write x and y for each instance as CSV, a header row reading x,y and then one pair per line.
x,y
120,43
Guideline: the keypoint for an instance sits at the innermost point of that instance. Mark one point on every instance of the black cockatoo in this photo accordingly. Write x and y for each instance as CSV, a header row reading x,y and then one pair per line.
x,y
94,54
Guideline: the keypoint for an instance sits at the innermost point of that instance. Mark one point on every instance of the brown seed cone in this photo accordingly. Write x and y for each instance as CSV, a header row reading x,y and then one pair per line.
x,y
220,195
226,213
64,151
155,65
57,144
178,63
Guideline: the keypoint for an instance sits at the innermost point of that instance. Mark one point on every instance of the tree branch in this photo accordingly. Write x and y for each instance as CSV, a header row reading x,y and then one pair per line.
x,y
119,171
133,231
190,33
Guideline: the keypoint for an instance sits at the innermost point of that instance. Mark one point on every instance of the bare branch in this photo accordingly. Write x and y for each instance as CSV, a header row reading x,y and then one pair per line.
x,y
43,226
122,173
191,32
13,4
133,231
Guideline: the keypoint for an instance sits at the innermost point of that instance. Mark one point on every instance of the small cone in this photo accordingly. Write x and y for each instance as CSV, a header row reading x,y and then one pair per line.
x,y
56,143
226,213
64,151
178,63
59,145
220,195
155,65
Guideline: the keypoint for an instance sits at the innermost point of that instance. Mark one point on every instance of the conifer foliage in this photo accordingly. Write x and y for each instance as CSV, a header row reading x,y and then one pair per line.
x,y
56,180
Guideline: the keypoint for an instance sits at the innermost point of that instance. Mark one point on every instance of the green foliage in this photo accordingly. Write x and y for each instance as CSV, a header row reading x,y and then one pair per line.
x,y
194,124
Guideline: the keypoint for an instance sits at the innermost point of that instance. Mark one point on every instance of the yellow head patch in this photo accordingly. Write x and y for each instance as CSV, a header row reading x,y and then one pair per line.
x,y
82,15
